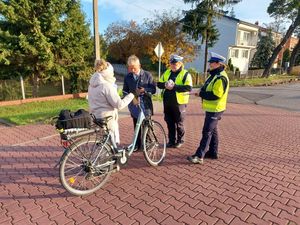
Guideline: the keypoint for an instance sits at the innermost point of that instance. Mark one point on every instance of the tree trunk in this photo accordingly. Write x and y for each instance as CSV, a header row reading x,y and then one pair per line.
x,y
276,51
294,54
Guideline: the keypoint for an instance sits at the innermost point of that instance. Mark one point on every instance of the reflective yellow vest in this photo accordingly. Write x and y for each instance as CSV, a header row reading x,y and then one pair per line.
x,y
216,86
182,97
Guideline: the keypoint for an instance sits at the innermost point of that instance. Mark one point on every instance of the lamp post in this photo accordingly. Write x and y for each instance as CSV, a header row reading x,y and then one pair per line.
x,y
96,29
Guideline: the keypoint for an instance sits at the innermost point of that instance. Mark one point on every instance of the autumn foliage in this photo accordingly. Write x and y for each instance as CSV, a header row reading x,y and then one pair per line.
x,y
127,38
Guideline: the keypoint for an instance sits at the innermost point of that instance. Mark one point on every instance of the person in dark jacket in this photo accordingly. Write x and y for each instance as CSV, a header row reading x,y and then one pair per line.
x,y
139,82
176,83
214,95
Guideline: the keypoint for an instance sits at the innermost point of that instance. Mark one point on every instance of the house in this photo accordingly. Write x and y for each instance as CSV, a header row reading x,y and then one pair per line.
x,y
237,40
290,45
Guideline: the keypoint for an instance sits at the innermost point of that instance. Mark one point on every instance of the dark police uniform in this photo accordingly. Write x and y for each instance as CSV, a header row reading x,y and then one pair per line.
x,y
214,95
175,102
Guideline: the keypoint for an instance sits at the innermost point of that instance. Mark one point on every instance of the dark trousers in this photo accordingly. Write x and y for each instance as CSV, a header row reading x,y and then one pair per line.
x,y
174,117
209,142
138,143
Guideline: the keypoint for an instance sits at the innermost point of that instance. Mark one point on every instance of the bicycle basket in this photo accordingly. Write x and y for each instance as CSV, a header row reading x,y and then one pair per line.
x,y
68,119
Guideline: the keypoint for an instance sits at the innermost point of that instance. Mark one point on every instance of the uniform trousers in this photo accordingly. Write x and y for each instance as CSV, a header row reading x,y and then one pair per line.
x,y
210,140
174,117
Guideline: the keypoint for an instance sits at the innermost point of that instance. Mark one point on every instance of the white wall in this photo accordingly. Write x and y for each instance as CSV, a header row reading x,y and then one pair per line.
x,y
241,62
227,30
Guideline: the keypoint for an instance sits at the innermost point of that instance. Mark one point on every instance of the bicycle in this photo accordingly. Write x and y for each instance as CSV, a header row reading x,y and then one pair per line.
x,y
89,161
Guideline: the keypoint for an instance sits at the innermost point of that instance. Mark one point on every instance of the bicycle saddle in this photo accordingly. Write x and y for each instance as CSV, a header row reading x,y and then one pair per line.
x,y
102,122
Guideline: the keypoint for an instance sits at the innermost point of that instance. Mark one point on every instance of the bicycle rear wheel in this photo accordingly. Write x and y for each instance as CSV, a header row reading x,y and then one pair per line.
x,y
81,172
154,143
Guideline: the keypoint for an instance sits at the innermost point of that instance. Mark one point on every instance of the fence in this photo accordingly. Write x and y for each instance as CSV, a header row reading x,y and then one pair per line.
x,y
17,89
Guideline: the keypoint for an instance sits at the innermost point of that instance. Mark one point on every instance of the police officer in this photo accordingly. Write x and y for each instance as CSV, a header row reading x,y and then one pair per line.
x,y
214,98
176,82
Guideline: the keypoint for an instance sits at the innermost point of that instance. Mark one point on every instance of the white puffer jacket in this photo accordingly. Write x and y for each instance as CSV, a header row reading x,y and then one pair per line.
x,y
104,99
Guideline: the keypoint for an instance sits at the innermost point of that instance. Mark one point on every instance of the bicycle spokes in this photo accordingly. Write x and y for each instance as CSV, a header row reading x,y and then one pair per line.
x,y
85,167
154,140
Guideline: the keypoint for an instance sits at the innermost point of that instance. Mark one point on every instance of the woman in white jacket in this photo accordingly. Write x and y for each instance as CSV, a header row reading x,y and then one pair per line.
x,y
103,96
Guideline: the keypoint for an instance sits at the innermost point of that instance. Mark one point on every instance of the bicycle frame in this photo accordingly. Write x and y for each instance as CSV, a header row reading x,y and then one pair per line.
x,y
137,129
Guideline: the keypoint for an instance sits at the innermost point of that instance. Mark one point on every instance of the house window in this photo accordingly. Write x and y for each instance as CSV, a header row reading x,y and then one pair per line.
x,y
234,53
245,54
246,36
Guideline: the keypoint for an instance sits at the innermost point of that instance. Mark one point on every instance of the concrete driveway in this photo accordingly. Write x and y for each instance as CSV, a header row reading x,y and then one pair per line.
x,y
281,96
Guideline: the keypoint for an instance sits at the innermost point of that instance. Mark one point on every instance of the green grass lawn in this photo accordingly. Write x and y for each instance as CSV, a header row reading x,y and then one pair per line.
x,y
271,80
39,112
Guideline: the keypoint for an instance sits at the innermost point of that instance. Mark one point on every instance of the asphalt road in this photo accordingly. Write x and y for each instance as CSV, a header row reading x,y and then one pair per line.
x,y
280,96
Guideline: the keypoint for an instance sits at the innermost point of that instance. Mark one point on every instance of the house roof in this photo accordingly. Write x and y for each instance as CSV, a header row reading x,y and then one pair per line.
x,y
241,21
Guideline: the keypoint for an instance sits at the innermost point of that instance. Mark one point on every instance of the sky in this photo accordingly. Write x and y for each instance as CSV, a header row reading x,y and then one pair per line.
x,y
111,11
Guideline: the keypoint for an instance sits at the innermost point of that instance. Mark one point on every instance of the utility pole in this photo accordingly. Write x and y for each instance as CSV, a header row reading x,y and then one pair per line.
x,y
96,29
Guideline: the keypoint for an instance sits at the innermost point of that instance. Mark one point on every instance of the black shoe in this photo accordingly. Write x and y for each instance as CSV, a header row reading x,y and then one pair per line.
x,y
210,156
195,159
171,145
178,144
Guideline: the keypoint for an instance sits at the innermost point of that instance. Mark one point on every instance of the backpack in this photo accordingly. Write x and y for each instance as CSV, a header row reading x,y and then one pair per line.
x,y
79,119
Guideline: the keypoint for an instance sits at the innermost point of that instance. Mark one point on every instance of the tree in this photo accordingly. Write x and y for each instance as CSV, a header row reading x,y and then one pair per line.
x,y
295,53
289,9
103,46
124,39
198,22
127,38
73,47
232,13
265,47
165,28
39,38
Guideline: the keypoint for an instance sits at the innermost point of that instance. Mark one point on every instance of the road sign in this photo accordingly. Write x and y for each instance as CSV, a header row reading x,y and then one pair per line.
x,y
159,50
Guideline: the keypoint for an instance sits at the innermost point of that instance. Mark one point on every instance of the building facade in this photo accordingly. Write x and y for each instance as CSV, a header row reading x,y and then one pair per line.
x,y
237,41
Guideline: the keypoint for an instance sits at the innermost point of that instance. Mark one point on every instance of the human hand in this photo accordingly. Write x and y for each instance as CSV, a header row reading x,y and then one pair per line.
x,y
135,101
169,84
140,90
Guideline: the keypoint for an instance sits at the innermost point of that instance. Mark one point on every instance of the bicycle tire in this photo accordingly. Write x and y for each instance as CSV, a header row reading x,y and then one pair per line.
x,y
154,143
77,179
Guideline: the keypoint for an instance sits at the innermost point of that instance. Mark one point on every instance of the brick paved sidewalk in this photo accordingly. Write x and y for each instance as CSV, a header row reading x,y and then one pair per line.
x,y
255,181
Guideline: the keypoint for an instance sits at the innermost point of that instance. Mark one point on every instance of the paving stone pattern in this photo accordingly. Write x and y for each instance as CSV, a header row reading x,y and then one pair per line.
x,y
255,181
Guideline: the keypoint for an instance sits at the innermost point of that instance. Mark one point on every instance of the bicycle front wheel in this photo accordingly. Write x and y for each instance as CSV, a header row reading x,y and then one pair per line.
x,y
154,143
85,167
